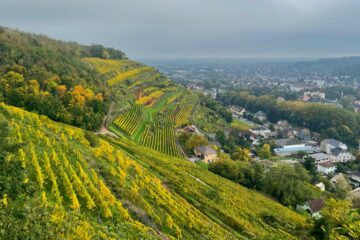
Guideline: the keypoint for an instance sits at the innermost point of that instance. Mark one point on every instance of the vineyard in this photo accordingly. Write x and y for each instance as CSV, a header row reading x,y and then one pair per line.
x,y
183,114
121,76
130,120
81,186
161,135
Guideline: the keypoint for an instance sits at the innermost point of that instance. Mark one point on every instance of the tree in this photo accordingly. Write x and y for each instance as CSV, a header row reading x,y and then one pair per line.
x,y
310,166
289,184
195,141
342,187
339,221
12,171
264,152
242,154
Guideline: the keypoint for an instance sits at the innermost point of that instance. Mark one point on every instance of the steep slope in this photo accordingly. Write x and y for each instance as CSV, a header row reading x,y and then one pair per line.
x,y
71,184
148,106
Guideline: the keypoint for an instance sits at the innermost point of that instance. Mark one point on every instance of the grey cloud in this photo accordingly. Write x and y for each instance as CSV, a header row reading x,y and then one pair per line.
x,y
145,28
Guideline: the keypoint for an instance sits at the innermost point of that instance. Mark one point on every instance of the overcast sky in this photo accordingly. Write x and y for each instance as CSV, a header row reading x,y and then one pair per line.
x,y
196,28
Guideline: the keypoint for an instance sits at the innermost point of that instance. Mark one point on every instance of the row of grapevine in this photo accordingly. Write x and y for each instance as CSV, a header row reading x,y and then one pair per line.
x,y
130,120
160,135
183,114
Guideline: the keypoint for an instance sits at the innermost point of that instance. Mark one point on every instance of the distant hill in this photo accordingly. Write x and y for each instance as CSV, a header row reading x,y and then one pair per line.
x,y
341,66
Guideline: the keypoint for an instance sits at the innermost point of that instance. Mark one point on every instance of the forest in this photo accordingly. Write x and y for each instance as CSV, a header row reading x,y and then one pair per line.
x,y
49,77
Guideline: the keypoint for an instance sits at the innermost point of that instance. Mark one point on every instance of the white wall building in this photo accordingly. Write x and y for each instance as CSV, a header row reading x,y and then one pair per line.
x,y
328,144
326,168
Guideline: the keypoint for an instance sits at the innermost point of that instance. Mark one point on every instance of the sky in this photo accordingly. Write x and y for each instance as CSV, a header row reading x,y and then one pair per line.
x,y
196,28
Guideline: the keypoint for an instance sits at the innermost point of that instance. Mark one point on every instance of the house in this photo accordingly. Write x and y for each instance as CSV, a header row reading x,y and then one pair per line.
x,y
281,142
260,132
354,180
340,155
319,157
237,112
313,96
289,150
326,168
208,154
288,133
303,134
282,124
192,129
327,144
261,116
313,207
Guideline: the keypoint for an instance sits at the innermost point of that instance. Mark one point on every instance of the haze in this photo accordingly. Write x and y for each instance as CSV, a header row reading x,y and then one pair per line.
x,y
197,28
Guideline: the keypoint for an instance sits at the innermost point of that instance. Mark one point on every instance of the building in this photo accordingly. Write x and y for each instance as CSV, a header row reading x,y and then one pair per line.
x,y
313,96
328,144
208,154
261,116
260,132
303,134
313,207
340,155
355,180
289,150
326,168
237,112
319,157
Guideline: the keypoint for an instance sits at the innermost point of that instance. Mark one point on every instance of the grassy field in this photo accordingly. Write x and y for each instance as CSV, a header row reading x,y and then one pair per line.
x,y
240,125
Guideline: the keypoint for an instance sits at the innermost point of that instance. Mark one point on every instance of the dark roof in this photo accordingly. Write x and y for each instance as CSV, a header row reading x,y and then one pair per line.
x,y
333,142
336,151
315,205
205,150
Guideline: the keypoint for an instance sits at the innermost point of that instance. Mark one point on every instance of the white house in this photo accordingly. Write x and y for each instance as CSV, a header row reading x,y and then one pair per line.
x,y
340,155
319,157
328,144
326,168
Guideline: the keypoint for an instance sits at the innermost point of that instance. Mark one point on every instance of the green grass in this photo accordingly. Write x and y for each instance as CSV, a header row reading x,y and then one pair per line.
x,y
240,125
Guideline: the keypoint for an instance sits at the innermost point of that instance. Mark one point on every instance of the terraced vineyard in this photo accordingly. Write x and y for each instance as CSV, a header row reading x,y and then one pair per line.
x,y
121,76
183,114
161,135
155,97
130,120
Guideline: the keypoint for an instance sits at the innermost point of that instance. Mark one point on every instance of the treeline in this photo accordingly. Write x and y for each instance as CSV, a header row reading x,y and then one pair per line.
x,y
290,185
49,77
328,120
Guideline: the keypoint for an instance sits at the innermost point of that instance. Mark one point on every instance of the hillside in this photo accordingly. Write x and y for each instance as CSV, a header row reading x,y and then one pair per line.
x,y
148,106
58,181
117,189
49,77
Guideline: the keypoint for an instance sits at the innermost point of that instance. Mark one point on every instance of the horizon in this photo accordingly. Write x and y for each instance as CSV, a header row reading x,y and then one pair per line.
x,y
178,29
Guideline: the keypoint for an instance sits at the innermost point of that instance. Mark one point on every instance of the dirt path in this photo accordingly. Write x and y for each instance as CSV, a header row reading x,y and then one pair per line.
x,y
103,129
